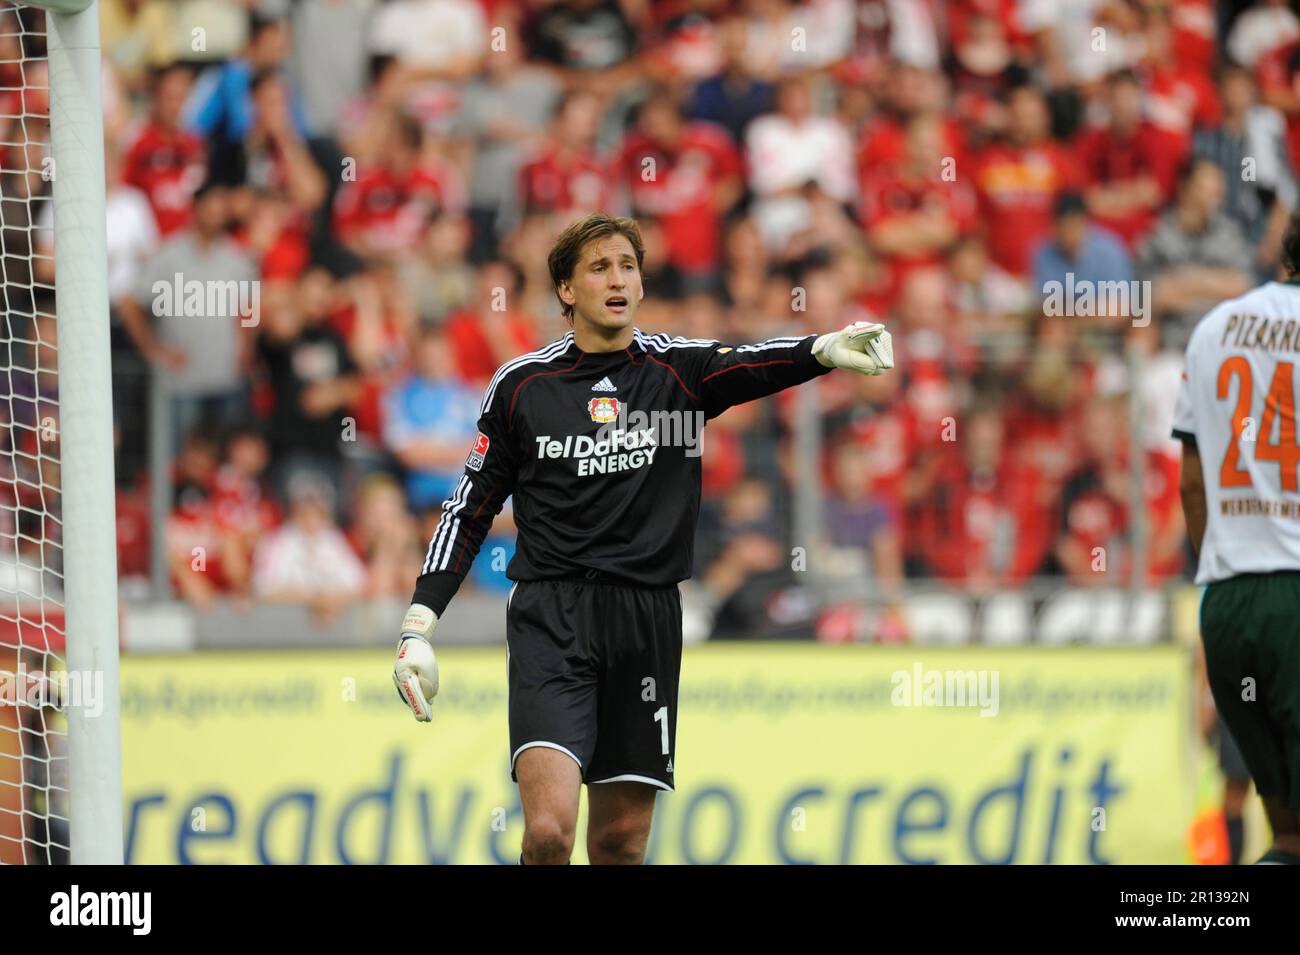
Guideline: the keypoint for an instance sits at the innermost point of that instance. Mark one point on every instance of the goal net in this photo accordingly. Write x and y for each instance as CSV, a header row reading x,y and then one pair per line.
x,y
33,733
58,666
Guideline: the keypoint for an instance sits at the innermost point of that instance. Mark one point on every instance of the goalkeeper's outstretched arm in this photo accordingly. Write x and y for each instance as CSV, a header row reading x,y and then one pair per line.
x,y
723,375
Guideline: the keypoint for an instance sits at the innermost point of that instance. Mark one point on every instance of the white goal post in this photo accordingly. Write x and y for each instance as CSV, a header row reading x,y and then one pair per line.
x,y
93,796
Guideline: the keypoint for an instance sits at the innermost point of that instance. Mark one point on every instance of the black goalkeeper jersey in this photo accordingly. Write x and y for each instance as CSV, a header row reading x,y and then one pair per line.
x,y
600,451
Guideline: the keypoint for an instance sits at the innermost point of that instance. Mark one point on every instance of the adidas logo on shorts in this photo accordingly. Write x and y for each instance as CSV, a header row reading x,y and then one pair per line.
x,y
604,385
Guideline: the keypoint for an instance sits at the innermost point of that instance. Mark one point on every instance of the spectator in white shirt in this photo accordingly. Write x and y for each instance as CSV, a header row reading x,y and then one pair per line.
x,y
1261,29
308,561
439,45
436,39
132,231
788,149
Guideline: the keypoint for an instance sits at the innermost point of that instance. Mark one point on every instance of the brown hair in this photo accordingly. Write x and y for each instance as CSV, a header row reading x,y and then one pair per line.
x,y
568,247
1291,247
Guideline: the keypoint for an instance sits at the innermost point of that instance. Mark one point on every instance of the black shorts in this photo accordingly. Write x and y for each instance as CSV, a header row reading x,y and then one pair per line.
x,y
1251,633
593,670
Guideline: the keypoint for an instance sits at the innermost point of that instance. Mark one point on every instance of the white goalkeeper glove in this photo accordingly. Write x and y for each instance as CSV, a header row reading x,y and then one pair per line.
x,y
416,671
863,346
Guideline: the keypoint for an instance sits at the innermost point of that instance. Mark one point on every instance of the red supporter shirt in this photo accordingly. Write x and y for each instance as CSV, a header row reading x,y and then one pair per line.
x,y
890,196
1178,99
1164,506
389,210
1018,187
724,466
242,504
681,194
475,361
132,522
1093,518
1195,29
1105,159
565,184
286,256
883,145
890,440
876,299
1045,440
193,524
984,526
934,364
368,407
167,166
933,391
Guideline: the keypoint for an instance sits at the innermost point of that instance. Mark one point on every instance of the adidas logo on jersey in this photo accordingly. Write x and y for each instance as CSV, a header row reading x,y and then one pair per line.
x,y
604,385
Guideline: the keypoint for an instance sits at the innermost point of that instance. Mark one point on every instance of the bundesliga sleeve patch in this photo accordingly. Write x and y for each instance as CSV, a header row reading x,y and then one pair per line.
x,y
476,456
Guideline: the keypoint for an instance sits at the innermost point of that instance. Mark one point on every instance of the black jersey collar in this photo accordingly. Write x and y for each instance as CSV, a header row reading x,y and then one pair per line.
x,y
634,350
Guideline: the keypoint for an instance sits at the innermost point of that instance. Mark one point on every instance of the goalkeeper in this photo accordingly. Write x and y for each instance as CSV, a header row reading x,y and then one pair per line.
x,y
606,510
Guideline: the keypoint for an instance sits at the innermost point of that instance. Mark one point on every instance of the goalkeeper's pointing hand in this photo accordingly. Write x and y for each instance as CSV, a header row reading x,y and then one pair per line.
x,y
416,670
863,346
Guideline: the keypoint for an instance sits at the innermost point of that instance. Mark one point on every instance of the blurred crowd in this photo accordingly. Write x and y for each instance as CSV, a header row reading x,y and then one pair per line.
x,y
383,180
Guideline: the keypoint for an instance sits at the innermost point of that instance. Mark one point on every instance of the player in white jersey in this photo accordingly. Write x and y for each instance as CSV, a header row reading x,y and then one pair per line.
x,y
1241,496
